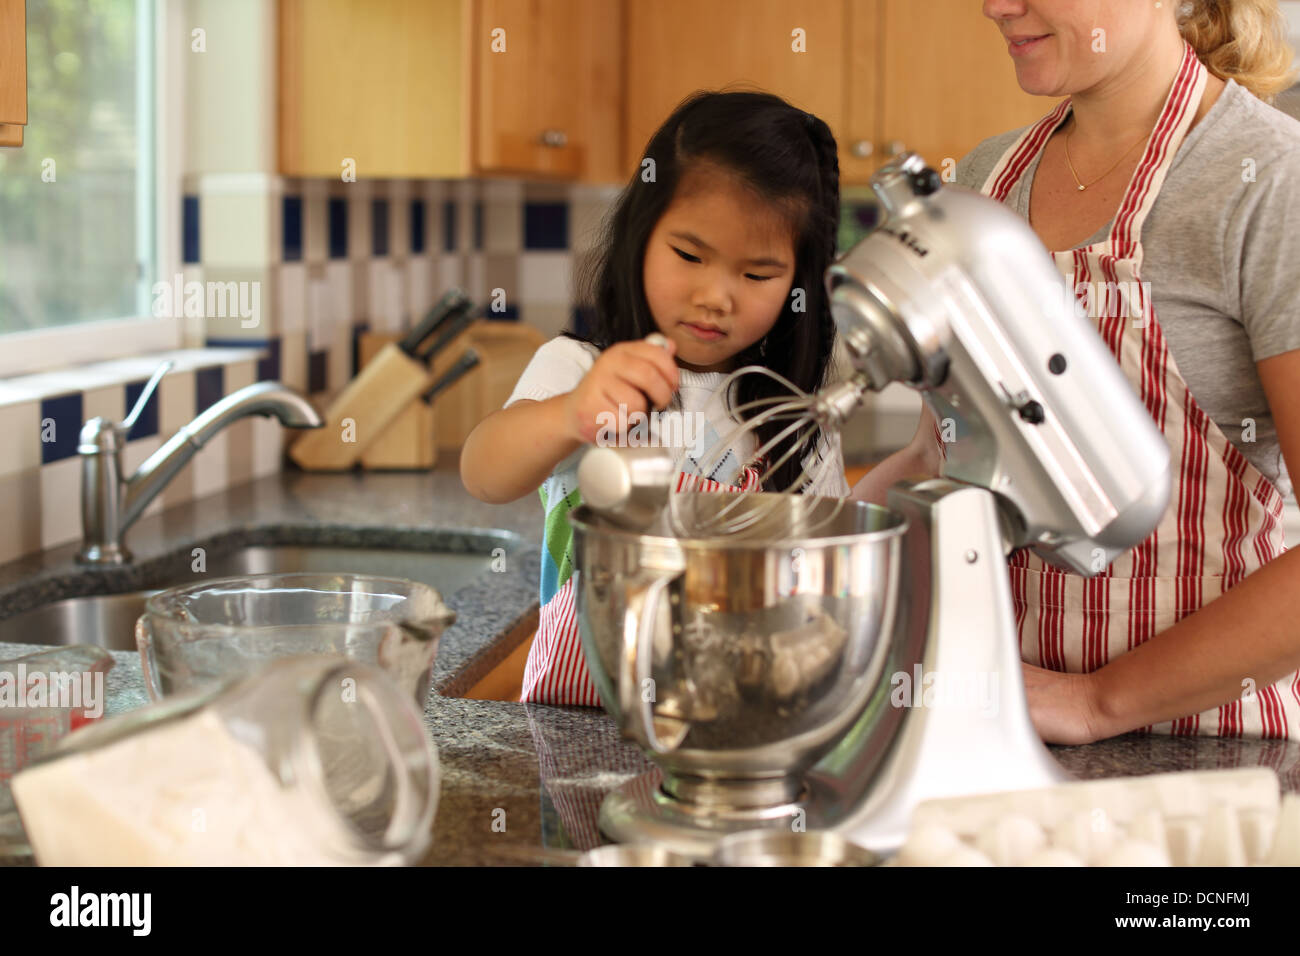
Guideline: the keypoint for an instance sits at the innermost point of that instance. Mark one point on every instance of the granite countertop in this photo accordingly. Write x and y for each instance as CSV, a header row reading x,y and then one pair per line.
x,y
514,776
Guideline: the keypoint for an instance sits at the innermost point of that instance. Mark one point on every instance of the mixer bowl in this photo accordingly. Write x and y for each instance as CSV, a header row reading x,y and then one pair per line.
x,y
737,663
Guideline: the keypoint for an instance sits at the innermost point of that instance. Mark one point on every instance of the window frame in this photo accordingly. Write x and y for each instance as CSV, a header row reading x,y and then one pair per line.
x,y
158,199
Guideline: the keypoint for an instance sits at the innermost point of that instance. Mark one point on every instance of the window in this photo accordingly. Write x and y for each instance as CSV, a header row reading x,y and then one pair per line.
x,y
77,203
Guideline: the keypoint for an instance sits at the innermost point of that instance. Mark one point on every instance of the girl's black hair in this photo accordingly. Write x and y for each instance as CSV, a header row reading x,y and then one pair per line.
x,y
788,158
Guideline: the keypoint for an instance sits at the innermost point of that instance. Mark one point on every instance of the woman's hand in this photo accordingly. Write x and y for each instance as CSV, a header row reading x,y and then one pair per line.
x,y
627,374
1063,707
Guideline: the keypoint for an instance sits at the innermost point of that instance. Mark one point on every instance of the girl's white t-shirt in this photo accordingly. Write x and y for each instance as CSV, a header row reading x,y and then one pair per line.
x,y
559,365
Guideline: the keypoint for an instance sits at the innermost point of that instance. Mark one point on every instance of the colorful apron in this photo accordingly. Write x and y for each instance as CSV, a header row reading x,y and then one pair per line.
x,y
556,671
1224,519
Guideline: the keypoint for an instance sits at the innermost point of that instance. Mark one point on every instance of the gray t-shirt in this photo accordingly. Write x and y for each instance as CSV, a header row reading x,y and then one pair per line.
x,y
1222,254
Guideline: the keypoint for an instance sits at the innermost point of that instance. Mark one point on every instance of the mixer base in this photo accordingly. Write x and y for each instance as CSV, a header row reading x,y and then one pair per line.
x,y
640,811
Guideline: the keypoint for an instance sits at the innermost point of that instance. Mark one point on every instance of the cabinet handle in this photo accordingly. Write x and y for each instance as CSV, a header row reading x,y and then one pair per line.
x,y
862,148
555,138
896,147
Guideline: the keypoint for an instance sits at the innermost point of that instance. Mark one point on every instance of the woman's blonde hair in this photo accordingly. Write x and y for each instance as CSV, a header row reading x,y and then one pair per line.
x,y
1243,40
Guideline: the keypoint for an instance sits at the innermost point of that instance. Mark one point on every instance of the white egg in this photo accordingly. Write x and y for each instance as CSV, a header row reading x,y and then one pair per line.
x,y
965,856
928,845
1008,840
1052,856
1135,853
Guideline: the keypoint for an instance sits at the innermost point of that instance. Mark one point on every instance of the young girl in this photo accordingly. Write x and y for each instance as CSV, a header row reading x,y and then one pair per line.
x,y
719,243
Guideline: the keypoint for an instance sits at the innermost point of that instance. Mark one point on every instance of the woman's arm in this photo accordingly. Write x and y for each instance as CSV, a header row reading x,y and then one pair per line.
x,y
920,458
1245,640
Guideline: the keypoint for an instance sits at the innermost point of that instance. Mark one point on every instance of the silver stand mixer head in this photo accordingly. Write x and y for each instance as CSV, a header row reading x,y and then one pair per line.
x,y
954,295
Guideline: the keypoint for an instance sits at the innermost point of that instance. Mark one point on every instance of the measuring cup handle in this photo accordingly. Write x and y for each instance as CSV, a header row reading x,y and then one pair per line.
x,y
636,708
144,640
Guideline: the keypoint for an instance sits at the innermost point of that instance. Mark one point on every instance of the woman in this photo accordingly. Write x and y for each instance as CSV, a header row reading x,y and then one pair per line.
x,y
1166,167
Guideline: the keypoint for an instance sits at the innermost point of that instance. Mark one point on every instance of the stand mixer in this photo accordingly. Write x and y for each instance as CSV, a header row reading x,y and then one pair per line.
x,y
826,681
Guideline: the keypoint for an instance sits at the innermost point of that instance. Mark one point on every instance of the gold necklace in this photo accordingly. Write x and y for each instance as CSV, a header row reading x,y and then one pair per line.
x,y
1068,162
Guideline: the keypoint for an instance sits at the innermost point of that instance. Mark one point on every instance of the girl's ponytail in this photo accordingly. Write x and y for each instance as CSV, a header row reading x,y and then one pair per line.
x,y
1241,40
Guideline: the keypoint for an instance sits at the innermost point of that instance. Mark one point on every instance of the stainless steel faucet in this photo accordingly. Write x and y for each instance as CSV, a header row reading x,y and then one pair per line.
x,y
111,501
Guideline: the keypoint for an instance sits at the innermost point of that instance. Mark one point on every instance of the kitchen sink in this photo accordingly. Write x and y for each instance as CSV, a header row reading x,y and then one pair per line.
x,y
108,620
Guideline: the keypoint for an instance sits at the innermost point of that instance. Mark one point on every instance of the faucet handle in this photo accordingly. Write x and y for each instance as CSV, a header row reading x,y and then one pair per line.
x,y
150,387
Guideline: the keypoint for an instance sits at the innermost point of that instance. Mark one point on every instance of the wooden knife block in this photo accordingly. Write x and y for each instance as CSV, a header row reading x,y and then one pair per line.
x,y
412,440
407,443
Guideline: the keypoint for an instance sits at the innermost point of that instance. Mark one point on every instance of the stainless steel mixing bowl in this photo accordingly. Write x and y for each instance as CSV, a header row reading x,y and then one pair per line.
x,y
738,663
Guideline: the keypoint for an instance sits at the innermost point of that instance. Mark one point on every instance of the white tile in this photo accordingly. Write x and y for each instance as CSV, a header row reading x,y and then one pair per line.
x,y
336,322
292,293
451,272
61,502
545,277
420,291
211,465
315,221
106,402
475,276
399,218
20,429
293,361
268,444
235,230
134,455
358,195
20,514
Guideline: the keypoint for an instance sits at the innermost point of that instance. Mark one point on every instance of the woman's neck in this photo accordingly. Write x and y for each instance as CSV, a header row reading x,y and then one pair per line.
x,y
1123,109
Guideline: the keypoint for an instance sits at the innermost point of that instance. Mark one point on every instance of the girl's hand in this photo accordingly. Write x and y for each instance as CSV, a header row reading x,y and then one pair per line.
x,y
630,374
1063,706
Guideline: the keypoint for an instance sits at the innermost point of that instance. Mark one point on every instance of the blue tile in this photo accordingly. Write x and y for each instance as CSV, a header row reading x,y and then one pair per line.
x,y
318,372
268,367
417,225
379,227
291,231
546,225
338,217
190,229
478,225
449,226
146,426
357,329
209,387
60,426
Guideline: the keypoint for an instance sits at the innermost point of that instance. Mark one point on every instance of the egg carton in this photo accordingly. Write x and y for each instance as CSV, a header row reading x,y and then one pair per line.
x,y
1195,818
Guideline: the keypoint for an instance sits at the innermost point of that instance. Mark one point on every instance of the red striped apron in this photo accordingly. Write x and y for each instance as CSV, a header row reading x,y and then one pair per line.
x,y
1224,519
556,671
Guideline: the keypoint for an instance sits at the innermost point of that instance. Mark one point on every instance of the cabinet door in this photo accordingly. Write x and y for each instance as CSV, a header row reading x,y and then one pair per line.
x,y
860,152
948,81
380,82
675,47
549,87
13,71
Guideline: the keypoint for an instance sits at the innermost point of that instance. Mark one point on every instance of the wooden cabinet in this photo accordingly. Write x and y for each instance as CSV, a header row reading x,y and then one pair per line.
x,y
380,83
13,71
451,88
947,80
549,88
887,75
675,47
